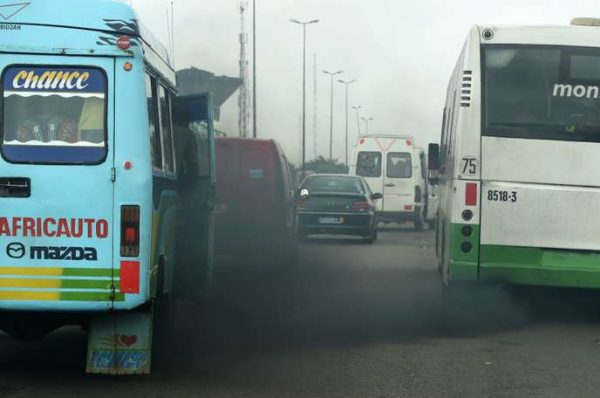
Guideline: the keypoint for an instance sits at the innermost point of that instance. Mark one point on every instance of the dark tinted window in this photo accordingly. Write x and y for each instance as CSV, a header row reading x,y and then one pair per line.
x,y
333,184
399,165
368,164
152,122
542,93
166,128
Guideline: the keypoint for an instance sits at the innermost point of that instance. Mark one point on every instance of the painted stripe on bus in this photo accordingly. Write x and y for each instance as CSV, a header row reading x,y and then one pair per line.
x,y
57,283
59,296
55,271
14,282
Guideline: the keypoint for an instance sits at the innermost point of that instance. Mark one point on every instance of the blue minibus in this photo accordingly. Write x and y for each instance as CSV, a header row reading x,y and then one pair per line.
x,y
106,179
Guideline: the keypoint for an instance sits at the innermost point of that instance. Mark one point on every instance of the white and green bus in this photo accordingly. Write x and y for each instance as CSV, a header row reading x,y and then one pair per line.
x,y
517,165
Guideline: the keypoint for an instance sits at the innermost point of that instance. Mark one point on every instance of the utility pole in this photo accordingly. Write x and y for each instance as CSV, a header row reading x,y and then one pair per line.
x,y
347,83
254,68
331,74
357,108
304,87
244,97
315,106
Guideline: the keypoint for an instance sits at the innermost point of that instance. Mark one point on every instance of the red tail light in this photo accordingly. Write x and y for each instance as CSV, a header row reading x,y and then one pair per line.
x,y
471,194
361,205
302,204
130,231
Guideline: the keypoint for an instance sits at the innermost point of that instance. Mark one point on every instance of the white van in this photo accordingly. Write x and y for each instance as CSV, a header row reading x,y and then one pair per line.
x,y
391,165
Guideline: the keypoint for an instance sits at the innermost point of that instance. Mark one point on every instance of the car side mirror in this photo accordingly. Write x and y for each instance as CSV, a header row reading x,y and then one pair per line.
x,y
433,157
376,196
302,194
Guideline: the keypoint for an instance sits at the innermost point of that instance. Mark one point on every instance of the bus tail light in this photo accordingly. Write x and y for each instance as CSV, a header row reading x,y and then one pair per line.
x,y
471,194
130,231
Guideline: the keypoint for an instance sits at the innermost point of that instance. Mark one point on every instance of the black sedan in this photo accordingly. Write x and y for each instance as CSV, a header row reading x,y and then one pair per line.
x,y
336,204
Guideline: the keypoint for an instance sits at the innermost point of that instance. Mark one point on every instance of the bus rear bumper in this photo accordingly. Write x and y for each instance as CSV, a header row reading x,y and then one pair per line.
x,y
539,267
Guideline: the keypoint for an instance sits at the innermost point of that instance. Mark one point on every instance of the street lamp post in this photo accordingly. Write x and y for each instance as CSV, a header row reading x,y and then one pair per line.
x,y
347,83
254,68
356,108
366,120
304,87
331,74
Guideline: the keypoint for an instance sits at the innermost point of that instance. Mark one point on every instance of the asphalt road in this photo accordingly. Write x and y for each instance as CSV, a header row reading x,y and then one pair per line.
x,y
352,320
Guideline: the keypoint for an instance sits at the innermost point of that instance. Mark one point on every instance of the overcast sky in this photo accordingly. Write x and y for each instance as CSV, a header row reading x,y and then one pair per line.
x,y
401,52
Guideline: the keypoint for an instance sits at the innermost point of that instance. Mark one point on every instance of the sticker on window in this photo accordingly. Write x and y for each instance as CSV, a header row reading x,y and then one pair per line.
x,y
54,115
256,173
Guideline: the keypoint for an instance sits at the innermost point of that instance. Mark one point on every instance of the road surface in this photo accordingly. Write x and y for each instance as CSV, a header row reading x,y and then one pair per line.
x,y
352,320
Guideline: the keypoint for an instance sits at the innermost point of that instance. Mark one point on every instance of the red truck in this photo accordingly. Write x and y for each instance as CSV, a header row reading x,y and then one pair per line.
x,y
254,207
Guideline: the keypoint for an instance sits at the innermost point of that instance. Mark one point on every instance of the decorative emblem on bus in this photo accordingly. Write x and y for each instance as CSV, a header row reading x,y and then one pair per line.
x,y
10,10
15,250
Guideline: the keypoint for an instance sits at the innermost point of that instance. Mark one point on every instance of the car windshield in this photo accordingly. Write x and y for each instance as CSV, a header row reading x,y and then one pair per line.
x,y
333,184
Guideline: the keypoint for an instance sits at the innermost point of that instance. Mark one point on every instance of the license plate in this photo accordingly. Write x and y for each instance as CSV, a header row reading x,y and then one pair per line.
x,y
331,220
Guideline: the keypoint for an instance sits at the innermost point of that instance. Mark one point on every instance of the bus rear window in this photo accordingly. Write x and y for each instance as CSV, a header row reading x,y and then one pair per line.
x,y
542,92
54,115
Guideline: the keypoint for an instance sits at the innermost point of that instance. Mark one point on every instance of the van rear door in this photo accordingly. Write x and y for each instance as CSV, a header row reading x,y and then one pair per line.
x,y
56,189
398,182
369,165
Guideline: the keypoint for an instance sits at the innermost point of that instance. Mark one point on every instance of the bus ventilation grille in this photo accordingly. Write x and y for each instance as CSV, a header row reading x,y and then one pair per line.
x,y
465,91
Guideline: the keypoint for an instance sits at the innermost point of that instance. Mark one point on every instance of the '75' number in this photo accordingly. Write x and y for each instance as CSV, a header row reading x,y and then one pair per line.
x,y
469,165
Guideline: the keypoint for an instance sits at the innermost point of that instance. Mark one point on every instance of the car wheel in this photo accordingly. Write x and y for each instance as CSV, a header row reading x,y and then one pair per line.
x,y
370,238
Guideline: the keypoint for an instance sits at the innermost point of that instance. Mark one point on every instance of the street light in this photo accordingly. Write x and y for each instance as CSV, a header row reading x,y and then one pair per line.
x,y
356,108
347,83
366,124
304,87
331,74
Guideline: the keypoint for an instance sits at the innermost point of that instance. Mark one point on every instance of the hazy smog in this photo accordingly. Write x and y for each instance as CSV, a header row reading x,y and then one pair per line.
x,y
422,222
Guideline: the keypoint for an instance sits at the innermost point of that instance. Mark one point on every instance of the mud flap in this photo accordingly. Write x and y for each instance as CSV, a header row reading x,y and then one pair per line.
x,y
120,343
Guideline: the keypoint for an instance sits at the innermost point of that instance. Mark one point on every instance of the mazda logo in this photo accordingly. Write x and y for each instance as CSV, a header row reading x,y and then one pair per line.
x,y
15,250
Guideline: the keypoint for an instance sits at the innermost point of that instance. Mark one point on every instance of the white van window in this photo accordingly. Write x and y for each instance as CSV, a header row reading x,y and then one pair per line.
x,y
399,165
368,164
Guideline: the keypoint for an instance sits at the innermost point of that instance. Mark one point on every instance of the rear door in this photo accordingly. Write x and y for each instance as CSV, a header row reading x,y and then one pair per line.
x,y
398,184
369,165
56,188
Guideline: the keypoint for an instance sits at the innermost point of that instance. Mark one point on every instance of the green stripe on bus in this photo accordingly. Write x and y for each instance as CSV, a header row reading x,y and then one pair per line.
x,y
90,296
463,265
106,272
87,284
536,266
